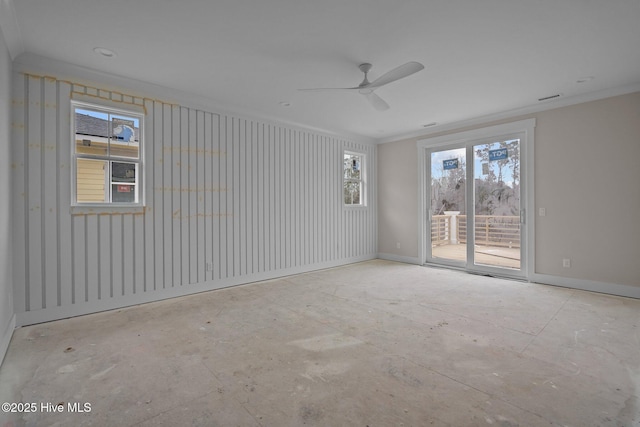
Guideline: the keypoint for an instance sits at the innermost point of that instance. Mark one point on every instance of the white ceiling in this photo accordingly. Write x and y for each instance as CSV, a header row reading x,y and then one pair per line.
x,y
482,57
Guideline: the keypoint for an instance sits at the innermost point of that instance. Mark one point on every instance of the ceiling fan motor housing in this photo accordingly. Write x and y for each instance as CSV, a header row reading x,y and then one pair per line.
x,y
365,68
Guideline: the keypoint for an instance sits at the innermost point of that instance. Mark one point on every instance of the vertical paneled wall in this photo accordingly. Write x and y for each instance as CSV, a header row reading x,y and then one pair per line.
x,y
228,201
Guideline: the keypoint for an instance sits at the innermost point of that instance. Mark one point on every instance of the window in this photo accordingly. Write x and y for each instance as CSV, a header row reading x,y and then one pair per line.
x,y
107,156
353,179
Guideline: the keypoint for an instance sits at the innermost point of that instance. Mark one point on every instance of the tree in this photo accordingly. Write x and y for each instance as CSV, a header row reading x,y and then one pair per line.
x,y
493,195
352,182
512,161
448,188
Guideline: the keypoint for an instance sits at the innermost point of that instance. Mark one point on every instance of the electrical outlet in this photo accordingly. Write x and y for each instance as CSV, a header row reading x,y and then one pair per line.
x,y
398,245
566,263
209,266
542,211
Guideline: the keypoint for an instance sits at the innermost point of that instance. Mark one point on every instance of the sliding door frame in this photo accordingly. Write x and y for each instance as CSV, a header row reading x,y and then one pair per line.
x,y
463,139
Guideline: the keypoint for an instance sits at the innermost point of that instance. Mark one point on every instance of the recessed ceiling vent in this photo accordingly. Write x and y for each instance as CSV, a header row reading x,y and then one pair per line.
x,y
557,95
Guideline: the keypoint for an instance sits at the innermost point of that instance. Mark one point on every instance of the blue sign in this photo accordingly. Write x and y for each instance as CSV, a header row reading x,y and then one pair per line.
x,y
499,154
450,164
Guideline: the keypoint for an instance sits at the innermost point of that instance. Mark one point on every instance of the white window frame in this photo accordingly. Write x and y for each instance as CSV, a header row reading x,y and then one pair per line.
x,y
139,162
362,180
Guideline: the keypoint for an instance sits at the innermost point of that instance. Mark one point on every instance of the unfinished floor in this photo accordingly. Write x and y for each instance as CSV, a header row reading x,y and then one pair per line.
x,y
371,344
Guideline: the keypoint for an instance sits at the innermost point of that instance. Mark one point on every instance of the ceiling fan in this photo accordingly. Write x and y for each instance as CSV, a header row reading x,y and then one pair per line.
x,y
366,88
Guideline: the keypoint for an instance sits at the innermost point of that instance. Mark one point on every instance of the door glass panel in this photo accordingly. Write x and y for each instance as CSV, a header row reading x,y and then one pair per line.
x,y
497,204
448,207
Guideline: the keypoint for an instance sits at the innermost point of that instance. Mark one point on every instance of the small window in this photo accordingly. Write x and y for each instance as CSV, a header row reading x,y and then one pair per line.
x,y
107,156
353,179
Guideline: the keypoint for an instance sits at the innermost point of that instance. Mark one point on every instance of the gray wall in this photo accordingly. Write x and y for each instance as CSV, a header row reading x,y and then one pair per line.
x,y
586,176
6,280
254,199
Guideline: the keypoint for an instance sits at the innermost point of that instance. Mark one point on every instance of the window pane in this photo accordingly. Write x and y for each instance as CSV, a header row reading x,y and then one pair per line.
x,y
125,133
352,166
352,178
123,193
90,182
123,180
123,172
92,132
352,193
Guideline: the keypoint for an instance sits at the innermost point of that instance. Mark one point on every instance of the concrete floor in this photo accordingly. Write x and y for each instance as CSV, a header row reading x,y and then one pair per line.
x,y
370,344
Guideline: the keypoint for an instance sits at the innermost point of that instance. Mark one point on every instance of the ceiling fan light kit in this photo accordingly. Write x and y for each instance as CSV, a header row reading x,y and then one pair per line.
x,y
367,88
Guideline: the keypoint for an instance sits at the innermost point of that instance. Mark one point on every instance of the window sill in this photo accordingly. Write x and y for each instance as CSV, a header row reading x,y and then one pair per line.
x,y
107,210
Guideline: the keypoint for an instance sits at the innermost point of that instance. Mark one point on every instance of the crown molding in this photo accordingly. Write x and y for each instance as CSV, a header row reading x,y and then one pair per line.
x,y
36,64
517,112
10,29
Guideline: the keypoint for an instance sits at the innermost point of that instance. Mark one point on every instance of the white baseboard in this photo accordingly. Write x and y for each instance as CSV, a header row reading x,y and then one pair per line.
x,y
5,339
588,285
547,279
399,258
57,313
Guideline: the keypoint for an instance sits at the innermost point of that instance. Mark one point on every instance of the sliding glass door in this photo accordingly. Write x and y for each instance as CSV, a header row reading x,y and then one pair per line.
x,y
474,204
497,204
448,206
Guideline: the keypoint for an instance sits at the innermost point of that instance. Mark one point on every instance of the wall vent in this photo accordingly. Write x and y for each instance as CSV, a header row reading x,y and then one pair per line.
x,y
557,95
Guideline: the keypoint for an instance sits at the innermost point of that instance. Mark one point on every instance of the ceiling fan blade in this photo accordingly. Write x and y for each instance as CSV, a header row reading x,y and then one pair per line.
x,y
319,89
397,74
377,102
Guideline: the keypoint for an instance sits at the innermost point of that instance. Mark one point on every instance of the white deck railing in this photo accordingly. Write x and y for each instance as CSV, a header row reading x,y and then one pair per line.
x,y
490,230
